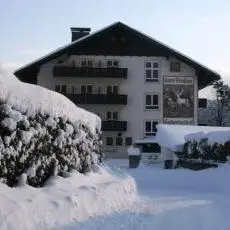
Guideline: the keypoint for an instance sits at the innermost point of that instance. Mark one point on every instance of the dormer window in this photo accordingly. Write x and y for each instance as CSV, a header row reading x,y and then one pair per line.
x,y
175,66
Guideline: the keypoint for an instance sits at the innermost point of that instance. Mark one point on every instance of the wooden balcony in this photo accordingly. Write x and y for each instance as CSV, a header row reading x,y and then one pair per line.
x,y
114,126
67,71
116,99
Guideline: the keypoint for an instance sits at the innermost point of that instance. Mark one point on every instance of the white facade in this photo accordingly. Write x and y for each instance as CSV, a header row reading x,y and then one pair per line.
x,y
134,86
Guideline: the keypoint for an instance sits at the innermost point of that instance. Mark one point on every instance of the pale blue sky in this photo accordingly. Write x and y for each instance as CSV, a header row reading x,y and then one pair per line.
x,y
197,28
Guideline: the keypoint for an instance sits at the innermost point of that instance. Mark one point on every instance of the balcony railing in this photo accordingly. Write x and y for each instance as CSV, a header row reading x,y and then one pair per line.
x,y
68,71
116,99
114,126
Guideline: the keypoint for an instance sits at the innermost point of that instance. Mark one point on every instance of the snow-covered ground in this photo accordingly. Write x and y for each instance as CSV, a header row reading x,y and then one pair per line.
x,y
121,198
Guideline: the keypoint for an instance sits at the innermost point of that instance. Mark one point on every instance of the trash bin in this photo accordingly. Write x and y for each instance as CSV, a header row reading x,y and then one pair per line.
x,y
134,161
134,156
168,164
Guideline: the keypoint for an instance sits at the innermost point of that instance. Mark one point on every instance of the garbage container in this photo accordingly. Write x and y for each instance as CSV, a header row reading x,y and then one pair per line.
x,y
134,156
168,164
134,161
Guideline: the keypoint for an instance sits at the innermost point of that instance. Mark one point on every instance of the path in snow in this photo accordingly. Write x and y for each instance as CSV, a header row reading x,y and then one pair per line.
x,y
167,201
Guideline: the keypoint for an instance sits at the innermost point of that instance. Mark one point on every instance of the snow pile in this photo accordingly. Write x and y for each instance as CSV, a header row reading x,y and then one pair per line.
x,y
174,136
31,99
62,201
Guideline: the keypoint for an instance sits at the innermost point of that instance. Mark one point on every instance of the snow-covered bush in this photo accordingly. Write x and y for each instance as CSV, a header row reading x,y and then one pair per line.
x,y
41,145
204,151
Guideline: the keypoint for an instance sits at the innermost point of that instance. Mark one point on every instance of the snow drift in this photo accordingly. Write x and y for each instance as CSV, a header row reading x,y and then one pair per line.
x,y
62,201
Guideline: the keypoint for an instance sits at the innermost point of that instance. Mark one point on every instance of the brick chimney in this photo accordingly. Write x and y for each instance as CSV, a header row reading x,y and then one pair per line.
x,y
78,32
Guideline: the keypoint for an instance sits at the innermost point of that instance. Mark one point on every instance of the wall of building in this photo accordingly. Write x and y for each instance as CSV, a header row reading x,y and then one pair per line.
x,y
134,86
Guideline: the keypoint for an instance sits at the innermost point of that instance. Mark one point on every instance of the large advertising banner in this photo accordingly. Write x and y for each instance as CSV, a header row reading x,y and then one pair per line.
x,y
178,96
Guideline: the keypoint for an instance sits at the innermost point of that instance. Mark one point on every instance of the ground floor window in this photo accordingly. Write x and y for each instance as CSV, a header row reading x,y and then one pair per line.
x,y
128,141
119,141
109,141
150,128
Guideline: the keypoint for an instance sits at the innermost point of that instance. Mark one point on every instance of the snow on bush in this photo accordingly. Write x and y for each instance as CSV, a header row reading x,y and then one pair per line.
x,y
204,151
42,134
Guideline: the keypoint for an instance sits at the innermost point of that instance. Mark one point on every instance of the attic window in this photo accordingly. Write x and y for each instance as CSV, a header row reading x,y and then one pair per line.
x,y
175,66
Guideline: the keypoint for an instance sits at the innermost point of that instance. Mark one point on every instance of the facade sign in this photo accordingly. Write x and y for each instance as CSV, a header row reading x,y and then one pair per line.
x,y
178,96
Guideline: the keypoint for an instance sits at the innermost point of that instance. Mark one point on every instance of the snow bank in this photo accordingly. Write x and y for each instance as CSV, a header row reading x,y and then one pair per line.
x,y
174,136
30,99
61,201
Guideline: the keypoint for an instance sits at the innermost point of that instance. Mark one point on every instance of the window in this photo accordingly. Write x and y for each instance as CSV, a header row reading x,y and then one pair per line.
x,y
86,63
151,101
60,88
112,89
113,64
109,116
57,88
86,89
119,141
112,116
109,89
63,89
152,71
175,66
150,128
73,90
202,103
115,116
109,141
115,89
128,141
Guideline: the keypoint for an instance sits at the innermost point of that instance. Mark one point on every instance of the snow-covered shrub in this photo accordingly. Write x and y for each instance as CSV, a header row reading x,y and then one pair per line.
x,y
39,146
204,151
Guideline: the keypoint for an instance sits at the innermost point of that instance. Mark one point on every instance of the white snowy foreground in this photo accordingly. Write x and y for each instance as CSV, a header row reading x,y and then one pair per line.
x,y
121,198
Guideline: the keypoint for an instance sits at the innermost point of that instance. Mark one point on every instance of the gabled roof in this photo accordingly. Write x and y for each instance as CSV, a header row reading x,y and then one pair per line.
x,y
118,39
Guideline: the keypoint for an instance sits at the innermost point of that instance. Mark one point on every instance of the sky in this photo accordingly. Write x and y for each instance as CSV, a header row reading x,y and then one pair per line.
x,y
199,29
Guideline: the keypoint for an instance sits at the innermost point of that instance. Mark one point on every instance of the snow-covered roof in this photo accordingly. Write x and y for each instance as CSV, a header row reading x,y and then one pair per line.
x,y
174,136
30,99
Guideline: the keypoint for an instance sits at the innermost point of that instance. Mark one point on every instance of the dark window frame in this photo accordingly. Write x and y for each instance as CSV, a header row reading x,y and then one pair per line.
x,y
152,73
109,141
86,89
150,98
128,141
57,88
119,141
150,130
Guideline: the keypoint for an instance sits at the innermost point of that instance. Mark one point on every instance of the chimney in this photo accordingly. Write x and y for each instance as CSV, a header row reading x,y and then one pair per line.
x,y
78,32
